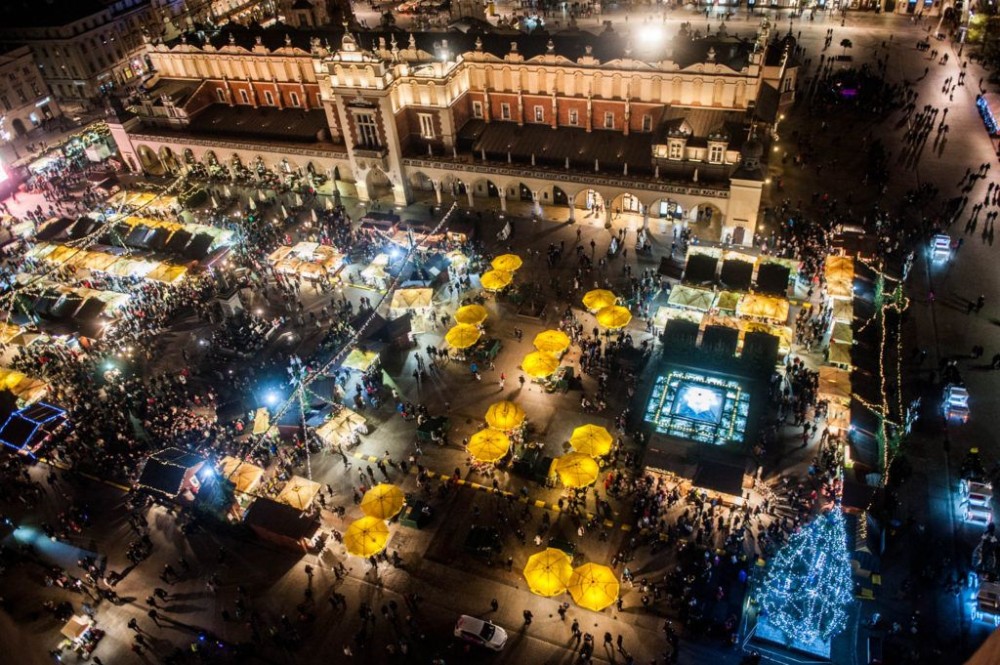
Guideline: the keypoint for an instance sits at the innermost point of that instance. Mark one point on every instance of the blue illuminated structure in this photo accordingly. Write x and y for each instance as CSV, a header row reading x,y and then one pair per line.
x,y
699,407
983,103
27,429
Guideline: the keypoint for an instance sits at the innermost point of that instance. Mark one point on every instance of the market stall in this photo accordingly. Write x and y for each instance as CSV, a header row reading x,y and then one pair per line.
x,y
298,493
309,260
768,308
343,428
834,385
244,476
839,273
375,274
726,302
666,313
419,301
361,360
26,389
839,355
81,636
842,333
687,297
843,311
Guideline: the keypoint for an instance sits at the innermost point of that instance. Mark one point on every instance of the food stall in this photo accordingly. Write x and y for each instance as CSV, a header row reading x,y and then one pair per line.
x,y
343,428
688,297
839,272
375,274
361,360
298,493
81,636
767,308
309,260
419,301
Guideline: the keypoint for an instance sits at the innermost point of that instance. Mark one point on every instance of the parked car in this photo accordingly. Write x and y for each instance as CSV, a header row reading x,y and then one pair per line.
x,y
481,633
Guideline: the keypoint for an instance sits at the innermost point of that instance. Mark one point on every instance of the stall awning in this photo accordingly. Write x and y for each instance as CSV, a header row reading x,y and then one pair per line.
x,y
840,354
758,306
340,427
691,298
666,313
412,298
360,360
245,476
298,492
834,385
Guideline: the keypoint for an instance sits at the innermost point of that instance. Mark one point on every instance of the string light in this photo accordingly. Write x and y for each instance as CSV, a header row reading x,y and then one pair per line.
x,y
808,584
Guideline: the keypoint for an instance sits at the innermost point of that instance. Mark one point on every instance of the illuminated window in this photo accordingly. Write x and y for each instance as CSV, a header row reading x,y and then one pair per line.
x,y
539,114
477,109
367,130
426,125
574,117
716,153
505,111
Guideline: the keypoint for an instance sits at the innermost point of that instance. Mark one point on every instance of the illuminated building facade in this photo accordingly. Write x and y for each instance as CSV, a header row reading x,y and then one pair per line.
x,y
654,132
25,101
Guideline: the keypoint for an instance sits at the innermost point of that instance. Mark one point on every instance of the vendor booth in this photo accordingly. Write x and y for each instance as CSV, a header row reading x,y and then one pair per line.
x,y
768,308
309,260
343,428
834,386
81,636
361,360
376,275
686,297
839,272
843,311
839,355
282,524
298,493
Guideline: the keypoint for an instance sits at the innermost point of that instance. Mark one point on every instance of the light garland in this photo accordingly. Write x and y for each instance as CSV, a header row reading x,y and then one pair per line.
x,y
808,584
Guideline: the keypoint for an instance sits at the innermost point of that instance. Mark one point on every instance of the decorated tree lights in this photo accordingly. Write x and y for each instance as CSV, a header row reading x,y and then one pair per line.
x,y
808,587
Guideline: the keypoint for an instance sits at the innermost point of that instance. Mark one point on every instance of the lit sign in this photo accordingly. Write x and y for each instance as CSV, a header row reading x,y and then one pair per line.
x,y
42,102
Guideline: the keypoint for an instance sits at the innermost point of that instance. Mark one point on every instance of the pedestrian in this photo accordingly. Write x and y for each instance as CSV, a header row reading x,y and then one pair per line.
x,y
528,616
575,628
620,641
495,604
155,616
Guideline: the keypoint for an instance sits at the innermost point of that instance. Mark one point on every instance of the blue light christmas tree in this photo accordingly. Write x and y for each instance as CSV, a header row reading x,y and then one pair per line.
x,y
808,584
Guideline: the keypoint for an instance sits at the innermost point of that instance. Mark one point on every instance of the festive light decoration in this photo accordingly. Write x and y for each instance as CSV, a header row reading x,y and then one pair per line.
x,y
808,584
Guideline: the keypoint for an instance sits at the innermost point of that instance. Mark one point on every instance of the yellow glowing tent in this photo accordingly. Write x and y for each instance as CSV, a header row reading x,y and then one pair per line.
x,y
507,262
496,280
593,586
360,360
504,416
244,475
471,315
599,299
383,501
538,365
488,445
758,306
577,470
552,341
614,317
299,492
548,572
462,336
366,536
592,440
834,385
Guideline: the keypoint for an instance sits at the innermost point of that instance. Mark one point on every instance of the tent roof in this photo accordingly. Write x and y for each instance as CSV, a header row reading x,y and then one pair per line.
x,y
834,384
772,278
700,269
764,307
719,477
281,519
412,298
691,298
737,274
299,492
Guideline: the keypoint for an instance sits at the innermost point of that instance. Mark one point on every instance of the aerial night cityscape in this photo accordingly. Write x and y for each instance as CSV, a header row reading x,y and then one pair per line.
x,y
499,331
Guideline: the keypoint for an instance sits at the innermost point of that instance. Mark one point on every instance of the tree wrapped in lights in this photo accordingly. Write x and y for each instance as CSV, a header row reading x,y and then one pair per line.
x,y
808,584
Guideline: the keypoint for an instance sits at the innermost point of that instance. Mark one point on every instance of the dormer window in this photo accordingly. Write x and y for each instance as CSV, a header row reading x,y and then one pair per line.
x,y
675,149
716,153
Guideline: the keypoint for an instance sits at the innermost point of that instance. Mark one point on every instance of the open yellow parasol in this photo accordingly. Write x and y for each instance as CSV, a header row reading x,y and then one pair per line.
x,y
591,440
599,299
383,501
548,572
614,317
462,336
504,416
577,470
593,586
489,445
471,315
507,262
496,280
366,536
552,341
539,365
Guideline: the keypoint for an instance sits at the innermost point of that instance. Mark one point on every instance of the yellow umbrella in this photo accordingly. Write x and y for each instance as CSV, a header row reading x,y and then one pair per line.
x,y
471,315
496,280
488,445
591,440
504,416
552,341
548,572
599,299
463,336
593,586
366,536
614,317
507,262
577,470
383,501
539,365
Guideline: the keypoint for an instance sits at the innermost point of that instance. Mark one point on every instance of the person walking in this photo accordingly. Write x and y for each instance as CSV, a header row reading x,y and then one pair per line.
x,y
494,605
528,616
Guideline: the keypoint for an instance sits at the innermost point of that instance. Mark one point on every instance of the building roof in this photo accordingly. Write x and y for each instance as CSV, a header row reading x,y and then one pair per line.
x,y
268,123
47,13
280,519
162,477
703,122
776,50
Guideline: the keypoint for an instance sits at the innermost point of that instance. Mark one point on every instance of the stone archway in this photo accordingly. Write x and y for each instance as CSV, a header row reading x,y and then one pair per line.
x,y
422,188
148,159
169,159
18,126
378,184
705,221
559,197
486,188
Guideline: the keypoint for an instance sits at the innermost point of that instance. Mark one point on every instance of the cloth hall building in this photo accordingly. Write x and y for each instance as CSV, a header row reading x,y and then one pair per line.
x,y
668,132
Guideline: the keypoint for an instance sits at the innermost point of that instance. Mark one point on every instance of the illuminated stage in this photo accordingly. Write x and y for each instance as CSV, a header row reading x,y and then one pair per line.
x,y
699,407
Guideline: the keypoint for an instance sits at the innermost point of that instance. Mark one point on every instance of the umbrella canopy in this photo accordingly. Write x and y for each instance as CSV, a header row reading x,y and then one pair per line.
x,y
538,365
471,315
548,572
507,262
463,336
504,416
593,586
496,280
552,341
577,470
489,445
599,299
383,501
366,536
591,440
614,317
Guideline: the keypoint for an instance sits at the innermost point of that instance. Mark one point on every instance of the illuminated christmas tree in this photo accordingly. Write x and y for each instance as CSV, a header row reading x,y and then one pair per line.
x,y
808,584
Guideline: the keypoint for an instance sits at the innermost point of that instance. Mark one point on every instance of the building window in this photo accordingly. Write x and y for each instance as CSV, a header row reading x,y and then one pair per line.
x,y
676,150
716,153
295,99
477,109
268,98
539,114
244,97
367,131
647,123
221,95
505,111
426,125
574,117
609,121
